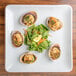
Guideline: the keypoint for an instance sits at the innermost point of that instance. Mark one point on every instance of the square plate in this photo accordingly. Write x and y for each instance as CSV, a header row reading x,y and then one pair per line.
x,y
62,36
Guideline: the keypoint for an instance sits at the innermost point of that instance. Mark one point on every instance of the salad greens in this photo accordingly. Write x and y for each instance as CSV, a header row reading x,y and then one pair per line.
x,y
36,38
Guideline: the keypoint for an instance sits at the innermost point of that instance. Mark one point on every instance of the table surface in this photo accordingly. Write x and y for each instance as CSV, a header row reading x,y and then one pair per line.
x,y
3,4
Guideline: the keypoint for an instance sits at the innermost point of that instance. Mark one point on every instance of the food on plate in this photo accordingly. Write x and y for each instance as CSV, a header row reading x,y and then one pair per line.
x,y
36,37
54,24
28,58
29,18
17,39
54,52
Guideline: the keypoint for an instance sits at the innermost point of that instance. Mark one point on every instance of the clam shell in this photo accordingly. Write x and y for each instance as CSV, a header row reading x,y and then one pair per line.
x,y
54,45
26,54
14,32
61,24
32,13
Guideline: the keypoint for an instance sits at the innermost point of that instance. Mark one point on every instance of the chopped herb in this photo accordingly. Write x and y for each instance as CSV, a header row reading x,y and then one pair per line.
x,y
15,42
27,18
53,22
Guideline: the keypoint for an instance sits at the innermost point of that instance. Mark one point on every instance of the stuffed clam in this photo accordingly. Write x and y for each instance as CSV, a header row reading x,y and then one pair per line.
x,y
28,58
29,18
17,39
54,24
54,52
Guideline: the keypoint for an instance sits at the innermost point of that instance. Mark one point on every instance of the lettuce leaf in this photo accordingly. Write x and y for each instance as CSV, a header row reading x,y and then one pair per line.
x,y
32,32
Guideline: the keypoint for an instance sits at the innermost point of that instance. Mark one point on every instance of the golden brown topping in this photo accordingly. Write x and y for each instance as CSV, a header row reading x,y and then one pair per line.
x,y
17,39
54,52
54,23
29,18
28,58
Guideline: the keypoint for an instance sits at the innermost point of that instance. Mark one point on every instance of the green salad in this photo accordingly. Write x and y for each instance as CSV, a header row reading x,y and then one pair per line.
x,y
36,37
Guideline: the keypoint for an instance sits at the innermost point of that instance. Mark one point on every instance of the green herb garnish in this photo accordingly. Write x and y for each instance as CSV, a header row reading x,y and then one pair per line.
x,y
27,18
53,22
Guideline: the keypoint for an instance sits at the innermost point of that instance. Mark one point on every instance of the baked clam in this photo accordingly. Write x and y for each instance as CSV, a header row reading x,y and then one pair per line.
x,y
17,39
29,18
28,58
54,24
54,52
